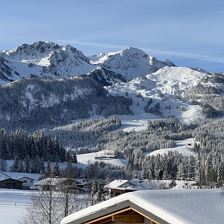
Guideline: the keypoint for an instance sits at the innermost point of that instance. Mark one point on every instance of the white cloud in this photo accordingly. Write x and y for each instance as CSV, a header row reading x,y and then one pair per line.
x,y
148,50
93,44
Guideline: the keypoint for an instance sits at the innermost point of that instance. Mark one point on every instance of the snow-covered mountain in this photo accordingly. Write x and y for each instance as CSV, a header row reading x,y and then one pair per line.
x,y
33,102
105,76
150,87
31,52
47,59
130,63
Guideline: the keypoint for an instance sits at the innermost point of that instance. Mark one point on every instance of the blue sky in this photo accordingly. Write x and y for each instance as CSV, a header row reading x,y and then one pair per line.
x,y
188,32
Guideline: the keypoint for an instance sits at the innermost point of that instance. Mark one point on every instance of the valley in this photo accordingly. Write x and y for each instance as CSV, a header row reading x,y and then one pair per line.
x,y
142,110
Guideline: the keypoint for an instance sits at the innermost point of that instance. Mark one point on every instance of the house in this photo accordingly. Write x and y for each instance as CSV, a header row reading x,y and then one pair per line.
x,y
27,179
78,185
105,154
155,207
49,183
27,182
57,184
118,187
11,183
83,184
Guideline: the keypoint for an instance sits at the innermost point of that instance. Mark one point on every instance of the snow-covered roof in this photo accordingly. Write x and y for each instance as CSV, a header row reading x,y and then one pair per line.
x,y
83,181
17,175
116,184
146,184
50,181
179,206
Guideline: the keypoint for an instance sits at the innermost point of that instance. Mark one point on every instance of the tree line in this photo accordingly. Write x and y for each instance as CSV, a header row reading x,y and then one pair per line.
x,y
20,145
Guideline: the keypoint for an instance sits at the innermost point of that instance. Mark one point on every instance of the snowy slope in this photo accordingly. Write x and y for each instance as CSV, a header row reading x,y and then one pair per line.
x,y
105,76
183,146
89,158
130,62
167,87
67,61
7,71
128,125
175,80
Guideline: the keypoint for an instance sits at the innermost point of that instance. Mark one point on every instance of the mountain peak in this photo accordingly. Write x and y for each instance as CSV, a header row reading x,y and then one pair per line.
x,y
132,51
130,62
34,51
39,46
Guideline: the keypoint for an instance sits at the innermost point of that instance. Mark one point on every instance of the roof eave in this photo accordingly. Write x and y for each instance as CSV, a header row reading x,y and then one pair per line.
x,y
111,209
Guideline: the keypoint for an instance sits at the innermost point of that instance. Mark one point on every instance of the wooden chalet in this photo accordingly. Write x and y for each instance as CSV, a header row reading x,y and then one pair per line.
x,y
11,183
155,207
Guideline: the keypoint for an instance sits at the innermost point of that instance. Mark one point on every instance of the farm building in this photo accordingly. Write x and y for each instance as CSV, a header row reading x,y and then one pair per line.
x,y
60,184
27,179
27,182
11,183
118,187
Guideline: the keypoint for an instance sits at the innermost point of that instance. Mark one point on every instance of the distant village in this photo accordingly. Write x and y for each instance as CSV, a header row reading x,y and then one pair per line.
x,y
26,181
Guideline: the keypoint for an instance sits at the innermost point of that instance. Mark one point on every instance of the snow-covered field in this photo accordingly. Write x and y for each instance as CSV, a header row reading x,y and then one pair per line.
x,y
128,125
183,146
89,158
13,204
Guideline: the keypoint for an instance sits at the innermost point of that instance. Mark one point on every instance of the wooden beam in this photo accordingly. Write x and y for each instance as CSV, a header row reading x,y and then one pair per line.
x,y
149,218
128,218
95,221
103,221
127,215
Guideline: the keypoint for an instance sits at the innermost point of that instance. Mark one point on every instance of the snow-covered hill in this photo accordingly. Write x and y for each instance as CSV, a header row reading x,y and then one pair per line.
x,y
91,158
183,146
168,89
175,80
40,101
